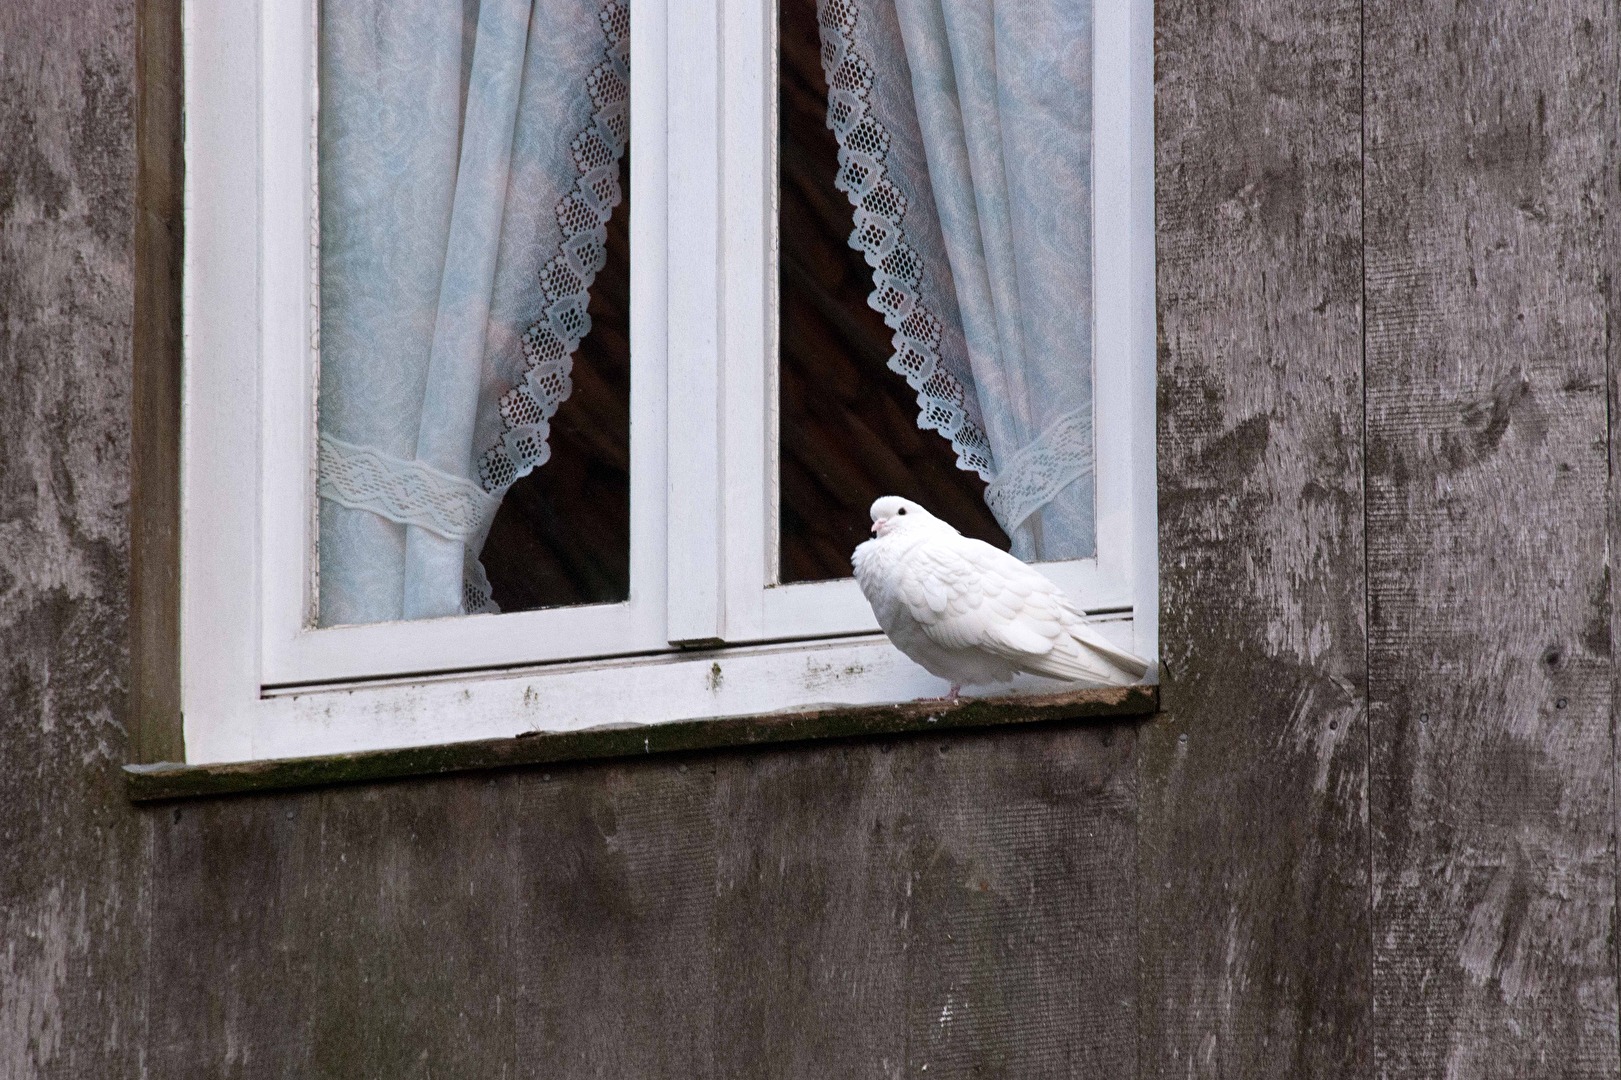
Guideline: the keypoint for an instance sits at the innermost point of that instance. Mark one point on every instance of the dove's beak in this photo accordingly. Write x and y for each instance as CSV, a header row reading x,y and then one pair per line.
x,y
875,528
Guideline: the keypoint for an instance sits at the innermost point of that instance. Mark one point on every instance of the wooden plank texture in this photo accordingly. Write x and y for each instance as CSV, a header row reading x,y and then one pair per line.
x,y
1022,935
962,900
955,906
587,920
865,908
1490,176
1253,858
73,886
238,888
154,554
613,952
410,945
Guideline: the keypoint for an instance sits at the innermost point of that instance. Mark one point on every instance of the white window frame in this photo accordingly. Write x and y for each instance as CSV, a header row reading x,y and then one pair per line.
x,y
704,632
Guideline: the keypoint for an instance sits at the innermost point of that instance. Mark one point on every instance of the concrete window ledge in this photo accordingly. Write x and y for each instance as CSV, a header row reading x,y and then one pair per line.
x,y
169,780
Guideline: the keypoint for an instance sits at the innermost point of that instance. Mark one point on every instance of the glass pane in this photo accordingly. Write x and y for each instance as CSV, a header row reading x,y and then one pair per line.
x,y
474,397
562,535
945,342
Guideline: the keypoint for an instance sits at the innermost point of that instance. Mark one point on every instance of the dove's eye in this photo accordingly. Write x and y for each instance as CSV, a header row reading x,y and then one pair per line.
x,y
902,510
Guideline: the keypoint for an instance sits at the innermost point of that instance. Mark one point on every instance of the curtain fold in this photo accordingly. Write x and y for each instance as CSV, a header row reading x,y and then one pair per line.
x,y
469,162
433,563
451,142
980,111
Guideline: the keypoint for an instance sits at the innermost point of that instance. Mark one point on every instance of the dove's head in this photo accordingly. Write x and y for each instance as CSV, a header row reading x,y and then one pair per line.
x,y
893,514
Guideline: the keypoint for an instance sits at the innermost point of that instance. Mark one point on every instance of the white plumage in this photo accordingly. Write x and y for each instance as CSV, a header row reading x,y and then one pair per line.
x,y
971,613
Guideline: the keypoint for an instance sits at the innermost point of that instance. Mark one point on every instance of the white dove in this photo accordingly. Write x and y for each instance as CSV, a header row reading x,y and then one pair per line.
x,y
971,613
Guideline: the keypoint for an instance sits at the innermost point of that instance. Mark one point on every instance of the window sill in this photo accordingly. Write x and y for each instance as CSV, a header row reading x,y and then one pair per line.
x,y
168,780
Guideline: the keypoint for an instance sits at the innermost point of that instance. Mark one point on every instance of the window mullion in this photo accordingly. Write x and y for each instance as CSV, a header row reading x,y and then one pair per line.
x,y
748,276
694,550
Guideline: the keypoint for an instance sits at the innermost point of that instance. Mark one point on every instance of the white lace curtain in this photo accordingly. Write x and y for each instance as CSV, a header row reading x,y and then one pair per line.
x,y
468,164
964,131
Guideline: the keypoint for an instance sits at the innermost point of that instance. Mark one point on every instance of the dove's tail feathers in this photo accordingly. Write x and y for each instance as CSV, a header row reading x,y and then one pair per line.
x,y
1076,664
1090,656
1130,663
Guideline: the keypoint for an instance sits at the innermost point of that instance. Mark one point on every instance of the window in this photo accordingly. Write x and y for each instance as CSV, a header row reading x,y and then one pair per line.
x,y
474,320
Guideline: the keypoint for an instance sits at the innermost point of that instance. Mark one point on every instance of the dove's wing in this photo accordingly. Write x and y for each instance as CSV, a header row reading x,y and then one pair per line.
x,y
966,594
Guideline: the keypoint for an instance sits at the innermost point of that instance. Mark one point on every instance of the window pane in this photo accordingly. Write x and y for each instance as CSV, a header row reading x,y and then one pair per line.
x,y
562,535
474,316
946,342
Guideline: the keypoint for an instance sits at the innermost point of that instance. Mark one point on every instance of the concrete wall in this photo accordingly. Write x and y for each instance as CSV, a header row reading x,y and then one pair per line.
x,y
1371,833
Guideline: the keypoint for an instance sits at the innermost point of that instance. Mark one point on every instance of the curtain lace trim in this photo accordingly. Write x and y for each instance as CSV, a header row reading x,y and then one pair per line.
x,y
413,493
409,492
897,268
1031,478
549,344
477,596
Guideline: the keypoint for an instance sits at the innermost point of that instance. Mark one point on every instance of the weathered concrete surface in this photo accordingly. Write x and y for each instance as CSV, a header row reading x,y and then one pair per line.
x,y
1253,817
987,904
1490,248
72,856
731,914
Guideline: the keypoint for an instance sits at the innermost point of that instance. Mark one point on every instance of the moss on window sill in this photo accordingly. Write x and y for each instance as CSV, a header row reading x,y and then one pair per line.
x,y
170,780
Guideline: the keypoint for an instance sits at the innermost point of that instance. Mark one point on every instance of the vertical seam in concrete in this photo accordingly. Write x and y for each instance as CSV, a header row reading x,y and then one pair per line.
x,y
1608,289
1609,580
1367,576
